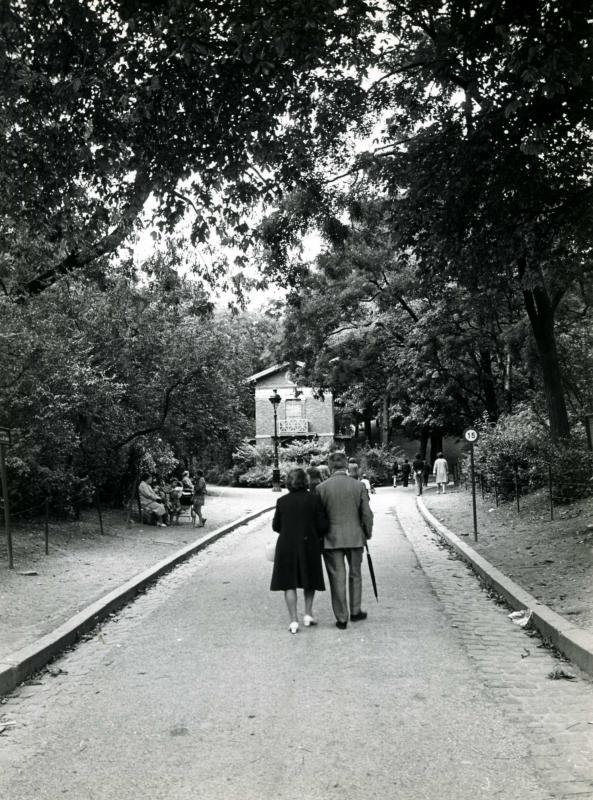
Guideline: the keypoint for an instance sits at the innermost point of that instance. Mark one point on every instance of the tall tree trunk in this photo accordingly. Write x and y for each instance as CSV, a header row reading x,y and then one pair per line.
x,y
487,378
508,381
540,311
385,420
436,444
424,436
368,431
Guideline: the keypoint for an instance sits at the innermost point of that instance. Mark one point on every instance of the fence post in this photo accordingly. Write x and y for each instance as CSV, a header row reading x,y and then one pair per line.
x,y
7,528
550,491
46,514
517,485
98,504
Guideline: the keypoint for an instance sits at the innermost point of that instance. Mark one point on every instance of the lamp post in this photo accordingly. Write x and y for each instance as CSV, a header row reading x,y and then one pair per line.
x,y
274,400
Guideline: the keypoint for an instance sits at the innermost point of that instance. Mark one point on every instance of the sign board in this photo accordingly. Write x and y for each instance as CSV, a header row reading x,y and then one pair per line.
x,y
5,436
470,435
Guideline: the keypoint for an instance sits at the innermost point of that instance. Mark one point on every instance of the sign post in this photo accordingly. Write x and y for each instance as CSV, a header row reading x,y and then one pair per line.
x,y
5,441
471,435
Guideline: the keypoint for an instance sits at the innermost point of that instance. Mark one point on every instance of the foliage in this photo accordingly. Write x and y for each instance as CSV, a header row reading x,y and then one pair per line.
x,y
101,378
258,476
205,107
249,455
518,448
220,477
305,452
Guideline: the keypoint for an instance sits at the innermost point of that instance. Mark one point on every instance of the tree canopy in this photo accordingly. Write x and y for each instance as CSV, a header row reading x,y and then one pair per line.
x,y
205,106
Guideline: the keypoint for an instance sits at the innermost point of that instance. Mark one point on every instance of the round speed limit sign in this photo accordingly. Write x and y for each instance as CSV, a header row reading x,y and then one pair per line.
x,y
470,435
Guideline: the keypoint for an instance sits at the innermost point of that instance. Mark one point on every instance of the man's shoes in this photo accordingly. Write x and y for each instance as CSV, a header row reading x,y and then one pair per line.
x,y
293,627
308,620
341,625
358,617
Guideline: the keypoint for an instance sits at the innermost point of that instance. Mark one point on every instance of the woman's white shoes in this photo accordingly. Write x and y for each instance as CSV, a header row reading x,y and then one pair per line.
x,y
308,620
293,627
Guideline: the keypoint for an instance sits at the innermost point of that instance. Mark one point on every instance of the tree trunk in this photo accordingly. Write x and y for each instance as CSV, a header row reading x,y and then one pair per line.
x,y
368,432
436,444
541,316
385,421
487,378
424,436
508,382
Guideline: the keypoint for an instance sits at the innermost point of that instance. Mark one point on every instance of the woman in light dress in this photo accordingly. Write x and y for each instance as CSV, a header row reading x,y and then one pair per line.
x,y
441,473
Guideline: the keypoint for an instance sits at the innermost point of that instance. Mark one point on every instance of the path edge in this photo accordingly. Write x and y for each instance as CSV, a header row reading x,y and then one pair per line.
x,y
18,666
572,641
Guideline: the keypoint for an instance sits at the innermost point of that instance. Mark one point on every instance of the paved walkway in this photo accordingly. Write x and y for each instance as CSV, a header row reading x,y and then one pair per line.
x,y
197,690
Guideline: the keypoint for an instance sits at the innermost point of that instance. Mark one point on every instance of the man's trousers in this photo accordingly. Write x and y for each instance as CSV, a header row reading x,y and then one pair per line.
x,y
335,563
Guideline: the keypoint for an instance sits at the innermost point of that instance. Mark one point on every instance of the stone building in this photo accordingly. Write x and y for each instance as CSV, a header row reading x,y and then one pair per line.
x,y
299,413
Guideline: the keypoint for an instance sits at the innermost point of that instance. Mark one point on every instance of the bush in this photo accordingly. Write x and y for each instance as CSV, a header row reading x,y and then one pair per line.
x,y
307,452
377,463
518,447
218,476
258,476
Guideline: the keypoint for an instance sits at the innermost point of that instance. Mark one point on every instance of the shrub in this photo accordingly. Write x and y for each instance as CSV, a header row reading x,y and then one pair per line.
x,y
376,462
306,452
258,476
218,476
518,447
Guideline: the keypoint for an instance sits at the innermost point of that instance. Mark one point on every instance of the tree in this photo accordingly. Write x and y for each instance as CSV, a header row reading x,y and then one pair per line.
x,y
204,106
490,173
96,376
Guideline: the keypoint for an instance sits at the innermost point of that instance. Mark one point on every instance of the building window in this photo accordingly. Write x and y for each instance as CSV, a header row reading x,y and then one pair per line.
x,y
294,409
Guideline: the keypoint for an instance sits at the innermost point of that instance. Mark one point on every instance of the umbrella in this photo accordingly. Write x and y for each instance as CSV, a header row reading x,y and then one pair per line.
x,y
372,571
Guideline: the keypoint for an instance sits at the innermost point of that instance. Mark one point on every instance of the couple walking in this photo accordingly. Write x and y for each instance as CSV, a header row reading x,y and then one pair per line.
x,y
334,520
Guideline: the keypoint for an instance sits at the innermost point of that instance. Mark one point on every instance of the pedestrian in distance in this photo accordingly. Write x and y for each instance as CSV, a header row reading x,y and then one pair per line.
x,y
353,468
150,501
199,497
301,523
417,467
350,517
441,473
313,478
323,471
406,470
367,484
395,473
426,470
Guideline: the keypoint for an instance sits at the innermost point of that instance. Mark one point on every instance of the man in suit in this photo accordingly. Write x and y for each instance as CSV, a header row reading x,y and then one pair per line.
x,y
350,524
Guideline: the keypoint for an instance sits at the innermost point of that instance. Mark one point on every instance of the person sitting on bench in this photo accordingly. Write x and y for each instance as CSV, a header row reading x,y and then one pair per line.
x,y
150,501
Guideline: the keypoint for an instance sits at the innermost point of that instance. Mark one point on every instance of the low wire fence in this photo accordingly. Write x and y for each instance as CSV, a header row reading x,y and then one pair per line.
x,y
561,487
45,511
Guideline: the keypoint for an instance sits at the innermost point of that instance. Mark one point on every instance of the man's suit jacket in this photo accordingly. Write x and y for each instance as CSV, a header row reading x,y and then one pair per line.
x,y
346,503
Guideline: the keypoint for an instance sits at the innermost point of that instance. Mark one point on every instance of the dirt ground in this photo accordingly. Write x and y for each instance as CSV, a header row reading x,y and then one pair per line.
x,y
553,560
83,565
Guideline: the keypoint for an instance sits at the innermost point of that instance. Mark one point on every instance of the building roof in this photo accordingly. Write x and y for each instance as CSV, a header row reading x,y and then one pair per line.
x,y
271,370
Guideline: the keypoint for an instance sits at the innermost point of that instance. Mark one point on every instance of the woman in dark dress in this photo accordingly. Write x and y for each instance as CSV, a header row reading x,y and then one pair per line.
x,y
301,522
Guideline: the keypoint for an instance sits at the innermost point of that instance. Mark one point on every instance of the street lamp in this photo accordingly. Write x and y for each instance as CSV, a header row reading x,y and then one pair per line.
x,y
274,400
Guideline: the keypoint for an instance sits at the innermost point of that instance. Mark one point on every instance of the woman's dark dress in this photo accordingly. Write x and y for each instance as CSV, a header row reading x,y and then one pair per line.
x,y
301,522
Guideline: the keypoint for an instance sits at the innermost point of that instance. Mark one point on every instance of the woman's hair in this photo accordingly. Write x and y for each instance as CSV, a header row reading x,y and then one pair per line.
x,y
145,476
439,455
200,473
418,455
296,479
